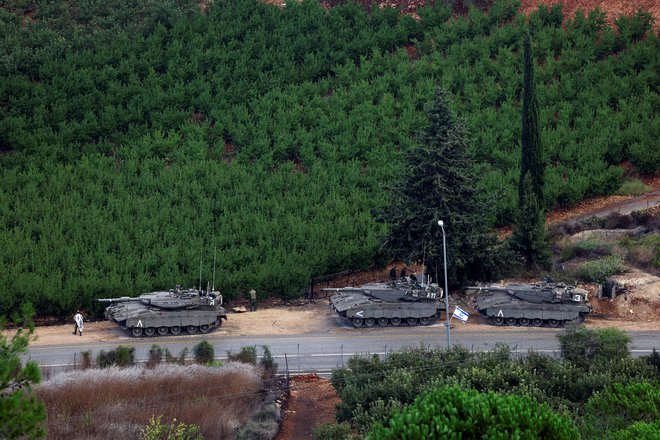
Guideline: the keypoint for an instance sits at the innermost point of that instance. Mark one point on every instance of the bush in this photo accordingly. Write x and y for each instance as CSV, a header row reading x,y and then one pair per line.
x,y
121,356
451,412
203,352
247,355
593,348
632,188
155,356
268,363
599,270
179,360
637,431
332,431
619,405
155,430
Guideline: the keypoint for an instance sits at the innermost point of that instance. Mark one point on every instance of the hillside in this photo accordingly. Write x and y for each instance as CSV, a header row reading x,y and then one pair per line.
x,y
140,143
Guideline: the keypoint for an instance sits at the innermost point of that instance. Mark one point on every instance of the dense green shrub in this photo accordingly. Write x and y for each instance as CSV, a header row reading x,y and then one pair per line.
x,y
332,431
599,270
618,406
592,348
122,356
247,355
204,353
452,412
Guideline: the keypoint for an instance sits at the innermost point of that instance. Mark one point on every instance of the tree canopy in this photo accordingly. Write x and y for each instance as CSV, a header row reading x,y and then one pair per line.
x,y
439,183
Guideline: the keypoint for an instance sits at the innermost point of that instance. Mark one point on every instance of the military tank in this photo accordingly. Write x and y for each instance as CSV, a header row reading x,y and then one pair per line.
x,y
388,304
162,313
535,304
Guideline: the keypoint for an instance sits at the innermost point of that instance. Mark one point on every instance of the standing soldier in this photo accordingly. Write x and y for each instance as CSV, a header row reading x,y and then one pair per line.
x,y
253,300
79,323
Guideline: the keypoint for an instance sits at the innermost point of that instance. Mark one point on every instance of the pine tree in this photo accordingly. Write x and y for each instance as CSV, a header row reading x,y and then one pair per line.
x,y
21,412
529,237
439,184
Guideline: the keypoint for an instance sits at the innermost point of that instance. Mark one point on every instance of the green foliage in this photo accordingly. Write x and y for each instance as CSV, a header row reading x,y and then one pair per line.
x,y
122,356
203,352
632,188
592,348
271,133
371,389
529,237
618,406
267,362
263,425
599,270
637,431
21,412
451,412
439,185
155,356
247,355
156,430
332,431
180,359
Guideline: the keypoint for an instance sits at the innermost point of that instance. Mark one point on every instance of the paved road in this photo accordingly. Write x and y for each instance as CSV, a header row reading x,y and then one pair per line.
x,y
322,352
644,201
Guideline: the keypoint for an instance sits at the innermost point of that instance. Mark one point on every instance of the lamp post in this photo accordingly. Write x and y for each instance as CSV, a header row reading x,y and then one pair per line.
x,y
444,253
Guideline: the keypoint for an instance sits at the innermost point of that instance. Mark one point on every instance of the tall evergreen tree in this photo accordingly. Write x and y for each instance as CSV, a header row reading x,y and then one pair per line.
x,y
529,237
532,155
439,184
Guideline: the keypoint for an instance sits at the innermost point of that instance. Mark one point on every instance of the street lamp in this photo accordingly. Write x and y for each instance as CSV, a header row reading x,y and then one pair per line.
x,y
444,252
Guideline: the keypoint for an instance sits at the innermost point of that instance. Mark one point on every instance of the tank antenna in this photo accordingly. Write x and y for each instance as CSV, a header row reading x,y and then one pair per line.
x,y
214,255
201,259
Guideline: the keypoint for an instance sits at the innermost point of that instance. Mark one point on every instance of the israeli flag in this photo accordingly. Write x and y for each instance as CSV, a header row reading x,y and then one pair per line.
x,y
460,314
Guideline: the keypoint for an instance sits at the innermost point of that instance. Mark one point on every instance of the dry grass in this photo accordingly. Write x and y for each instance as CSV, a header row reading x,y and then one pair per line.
x,y
118,403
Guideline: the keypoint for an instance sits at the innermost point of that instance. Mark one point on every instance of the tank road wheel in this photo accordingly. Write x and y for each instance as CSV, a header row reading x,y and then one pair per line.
x,y
217,323
162,331
149,331
523,322
191,329
497,320
136,332
510,321
567,322
357,322
580,318
553,323
537,322
175,330
204,328
369,322
382,322
411,321
395,321
424,320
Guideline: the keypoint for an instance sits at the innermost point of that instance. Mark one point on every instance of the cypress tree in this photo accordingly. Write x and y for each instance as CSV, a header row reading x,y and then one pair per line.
x,y
529,237
439,184
532,155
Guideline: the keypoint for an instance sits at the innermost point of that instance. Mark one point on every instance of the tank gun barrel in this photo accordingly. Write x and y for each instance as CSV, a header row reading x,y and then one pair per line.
x,y
120,299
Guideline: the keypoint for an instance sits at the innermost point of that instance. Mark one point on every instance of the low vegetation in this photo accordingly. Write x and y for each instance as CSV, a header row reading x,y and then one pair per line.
x,y
121,402
595,367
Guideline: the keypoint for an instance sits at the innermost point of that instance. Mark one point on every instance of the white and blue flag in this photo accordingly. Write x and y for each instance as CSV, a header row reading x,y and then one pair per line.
x,y
460,314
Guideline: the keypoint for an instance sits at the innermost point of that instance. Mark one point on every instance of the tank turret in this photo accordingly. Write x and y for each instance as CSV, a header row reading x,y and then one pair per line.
x,y
166,312
388,304
535,304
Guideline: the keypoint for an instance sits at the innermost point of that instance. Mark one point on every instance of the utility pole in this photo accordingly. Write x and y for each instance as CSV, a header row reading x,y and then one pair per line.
x,y
444,252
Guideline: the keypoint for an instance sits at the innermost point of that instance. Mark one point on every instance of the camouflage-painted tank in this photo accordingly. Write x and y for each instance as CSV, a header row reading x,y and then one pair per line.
x,y
390,304
536,304
162,313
